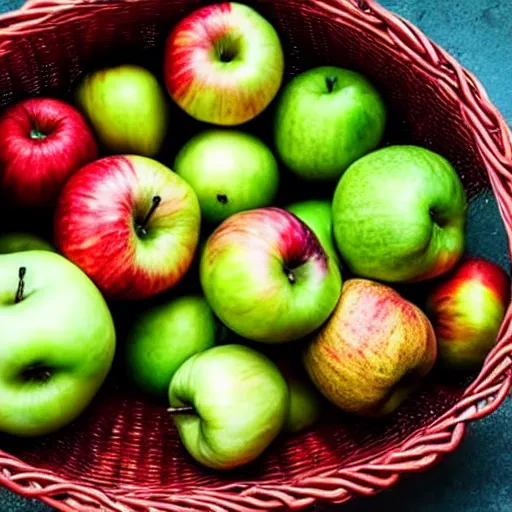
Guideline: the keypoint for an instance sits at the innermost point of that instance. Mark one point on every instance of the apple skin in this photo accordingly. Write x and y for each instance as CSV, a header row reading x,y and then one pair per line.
x,y
163,337
373,351
99,225
239,398
305,403
317,215
223,64
230,172
127,108
326,118
266,276
466,310
43,141
63,326
399,214
20,242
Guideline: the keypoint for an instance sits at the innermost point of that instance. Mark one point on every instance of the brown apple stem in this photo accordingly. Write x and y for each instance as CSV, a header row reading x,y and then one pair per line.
x,y
141,228
331,82
21,285
155,202
183,411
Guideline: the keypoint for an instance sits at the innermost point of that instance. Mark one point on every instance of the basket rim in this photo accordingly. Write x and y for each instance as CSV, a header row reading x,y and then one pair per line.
x,y
421,449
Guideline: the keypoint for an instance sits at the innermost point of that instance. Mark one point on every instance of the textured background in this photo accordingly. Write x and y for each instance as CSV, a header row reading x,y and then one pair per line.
x,y
478,477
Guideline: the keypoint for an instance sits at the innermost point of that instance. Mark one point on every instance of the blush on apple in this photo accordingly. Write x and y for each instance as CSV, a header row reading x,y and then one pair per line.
x,y
223,64
267,277
43,141
467,309
130,223
374,350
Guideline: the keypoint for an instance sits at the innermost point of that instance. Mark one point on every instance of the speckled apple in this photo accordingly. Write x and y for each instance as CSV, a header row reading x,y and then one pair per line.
x,y
374,350
399,214
466,310
267,277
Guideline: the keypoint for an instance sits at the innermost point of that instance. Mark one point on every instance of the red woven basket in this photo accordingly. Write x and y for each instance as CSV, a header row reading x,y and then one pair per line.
x,y
124,454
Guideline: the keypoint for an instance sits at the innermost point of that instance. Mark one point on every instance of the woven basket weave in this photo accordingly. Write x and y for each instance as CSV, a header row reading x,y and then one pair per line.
x,y
124,453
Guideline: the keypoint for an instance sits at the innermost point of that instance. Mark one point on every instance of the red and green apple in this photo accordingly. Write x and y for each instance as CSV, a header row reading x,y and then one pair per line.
x,y
466,310
130,223
399,215
267,277
223,63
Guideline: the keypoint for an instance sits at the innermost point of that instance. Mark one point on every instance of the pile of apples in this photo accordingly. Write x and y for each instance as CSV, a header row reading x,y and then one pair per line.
x,y
128,228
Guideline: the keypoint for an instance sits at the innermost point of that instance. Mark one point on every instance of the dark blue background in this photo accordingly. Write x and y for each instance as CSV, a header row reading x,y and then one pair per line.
x,y
478,476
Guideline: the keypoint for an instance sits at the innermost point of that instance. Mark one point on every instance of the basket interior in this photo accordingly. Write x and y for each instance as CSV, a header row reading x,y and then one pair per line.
x,y
125,440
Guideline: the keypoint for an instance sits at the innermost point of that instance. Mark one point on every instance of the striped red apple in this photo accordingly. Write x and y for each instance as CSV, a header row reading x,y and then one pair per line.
x,y
467,309
223,63
130,223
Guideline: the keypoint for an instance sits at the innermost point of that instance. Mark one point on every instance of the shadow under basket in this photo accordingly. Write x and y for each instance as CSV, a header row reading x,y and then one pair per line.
x,y
124,454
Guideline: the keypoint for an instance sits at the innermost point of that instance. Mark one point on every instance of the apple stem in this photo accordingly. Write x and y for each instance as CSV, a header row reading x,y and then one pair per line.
x,y
21,285
154,205
186,409
222,198
290,275
331,82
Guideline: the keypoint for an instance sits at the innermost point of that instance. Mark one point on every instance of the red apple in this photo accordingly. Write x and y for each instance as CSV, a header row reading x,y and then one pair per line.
x,y
130,223
43,142
223,63
467,310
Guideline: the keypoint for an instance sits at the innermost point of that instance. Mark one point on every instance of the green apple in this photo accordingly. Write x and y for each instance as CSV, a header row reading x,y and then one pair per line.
x,y
127,108
20,242
326,118
317,215
267,277
230,171
305,404
163,337
229,403
57,342
398,215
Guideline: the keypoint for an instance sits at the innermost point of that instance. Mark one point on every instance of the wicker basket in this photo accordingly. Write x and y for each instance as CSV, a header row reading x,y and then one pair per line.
x,y
124,454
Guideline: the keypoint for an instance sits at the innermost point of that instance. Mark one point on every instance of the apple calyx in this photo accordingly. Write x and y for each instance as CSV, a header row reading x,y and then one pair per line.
x,y
35,133
331,82
36,373
222,198
141,228
183,411
21,285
